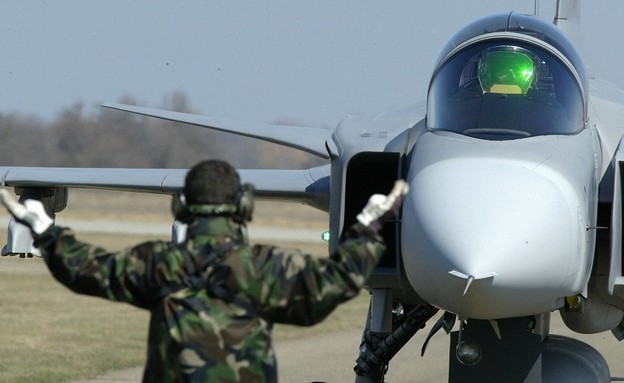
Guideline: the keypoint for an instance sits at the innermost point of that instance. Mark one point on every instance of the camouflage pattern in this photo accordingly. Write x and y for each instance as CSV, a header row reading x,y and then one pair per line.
x,y
194,335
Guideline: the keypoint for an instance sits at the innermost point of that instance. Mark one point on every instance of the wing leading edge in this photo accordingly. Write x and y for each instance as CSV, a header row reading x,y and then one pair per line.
x,y
311,140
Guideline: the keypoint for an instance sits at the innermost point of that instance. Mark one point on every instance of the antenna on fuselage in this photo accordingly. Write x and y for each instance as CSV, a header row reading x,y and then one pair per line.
x,y
536,8
568,19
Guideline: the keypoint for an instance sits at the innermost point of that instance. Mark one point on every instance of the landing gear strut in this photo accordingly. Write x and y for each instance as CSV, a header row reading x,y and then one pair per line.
x,y
379,347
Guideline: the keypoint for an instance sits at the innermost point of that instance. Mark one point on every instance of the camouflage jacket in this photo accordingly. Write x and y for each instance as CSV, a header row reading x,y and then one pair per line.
x,y
197,333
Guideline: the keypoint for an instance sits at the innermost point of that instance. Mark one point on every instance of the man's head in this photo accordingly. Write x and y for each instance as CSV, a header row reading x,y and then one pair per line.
x,y
212,182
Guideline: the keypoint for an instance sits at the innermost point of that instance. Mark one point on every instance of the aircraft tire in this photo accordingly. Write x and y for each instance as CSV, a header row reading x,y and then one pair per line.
x,y
570,360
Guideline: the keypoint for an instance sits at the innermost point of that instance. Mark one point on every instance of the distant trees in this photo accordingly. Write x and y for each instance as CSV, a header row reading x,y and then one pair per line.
x,y
111,138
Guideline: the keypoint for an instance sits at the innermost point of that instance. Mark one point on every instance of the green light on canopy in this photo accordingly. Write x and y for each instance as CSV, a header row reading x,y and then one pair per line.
x,y
506,72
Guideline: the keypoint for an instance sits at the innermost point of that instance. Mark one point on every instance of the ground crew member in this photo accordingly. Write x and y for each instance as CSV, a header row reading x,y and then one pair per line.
x,y
213,298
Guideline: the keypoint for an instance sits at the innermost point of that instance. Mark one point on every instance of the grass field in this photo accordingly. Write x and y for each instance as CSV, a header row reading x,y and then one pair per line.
x,y
49,334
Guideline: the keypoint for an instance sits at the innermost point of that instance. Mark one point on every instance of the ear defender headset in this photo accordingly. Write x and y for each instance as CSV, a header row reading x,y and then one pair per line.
x,y
241,211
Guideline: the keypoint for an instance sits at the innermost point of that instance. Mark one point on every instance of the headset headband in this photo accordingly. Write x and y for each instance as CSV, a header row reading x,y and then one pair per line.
x,y
221,209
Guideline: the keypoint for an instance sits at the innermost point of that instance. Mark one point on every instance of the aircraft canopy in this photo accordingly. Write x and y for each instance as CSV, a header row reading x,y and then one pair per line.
x,y
507,85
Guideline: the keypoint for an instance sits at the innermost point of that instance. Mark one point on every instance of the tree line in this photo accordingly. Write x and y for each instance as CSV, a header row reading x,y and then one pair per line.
x,y
109,138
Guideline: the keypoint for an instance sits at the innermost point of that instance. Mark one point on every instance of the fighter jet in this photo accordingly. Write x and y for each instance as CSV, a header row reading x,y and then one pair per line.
x,y
514,211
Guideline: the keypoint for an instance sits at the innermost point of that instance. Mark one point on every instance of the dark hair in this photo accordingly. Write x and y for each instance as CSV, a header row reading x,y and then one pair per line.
x,y
211,182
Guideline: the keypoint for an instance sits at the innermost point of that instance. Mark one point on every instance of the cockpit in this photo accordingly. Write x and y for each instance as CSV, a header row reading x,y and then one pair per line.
x,y
502,87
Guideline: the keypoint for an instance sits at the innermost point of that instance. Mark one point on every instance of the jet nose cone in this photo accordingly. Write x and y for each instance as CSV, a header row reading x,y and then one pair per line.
x,y
491,239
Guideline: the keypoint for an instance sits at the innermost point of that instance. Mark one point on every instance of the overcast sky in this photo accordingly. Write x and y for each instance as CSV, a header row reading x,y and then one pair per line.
x,y
309,62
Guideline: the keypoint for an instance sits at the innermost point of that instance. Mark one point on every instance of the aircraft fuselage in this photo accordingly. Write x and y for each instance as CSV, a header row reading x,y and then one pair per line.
x,y
498,229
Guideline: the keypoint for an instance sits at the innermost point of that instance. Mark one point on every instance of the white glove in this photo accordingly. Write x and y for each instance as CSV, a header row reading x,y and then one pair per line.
x,y
31,213
380,208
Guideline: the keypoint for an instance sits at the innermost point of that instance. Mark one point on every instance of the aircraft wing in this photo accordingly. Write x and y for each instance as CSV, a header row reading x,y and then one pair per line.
x,y
311,140
137,180
310,186
50,184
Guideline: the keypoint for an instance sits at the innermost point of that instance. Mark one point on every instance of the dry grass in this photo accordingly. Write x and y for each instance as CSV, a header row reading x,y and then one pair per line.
x,y
49,334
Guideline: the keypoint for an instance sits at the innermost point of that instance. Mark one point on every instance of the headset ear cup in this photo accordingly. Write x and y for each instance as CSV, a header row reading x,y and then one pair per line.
x,y
178,207
245,203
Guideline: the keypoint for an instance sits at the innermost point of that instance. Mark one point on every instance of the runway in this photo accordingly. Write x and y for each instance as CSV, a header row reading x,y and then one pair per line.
x,y
260,233
330,357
